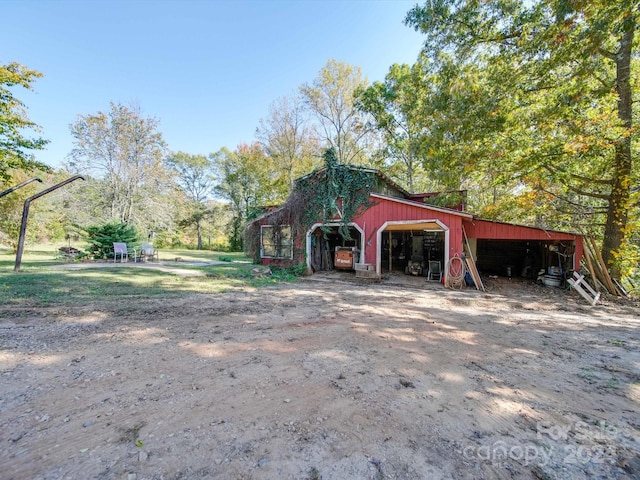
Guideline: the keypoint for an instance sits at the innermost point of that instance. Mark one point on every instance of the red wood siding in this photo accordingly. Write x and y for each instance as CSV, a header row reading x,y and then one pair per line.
x,y
485,229
488,230
386,210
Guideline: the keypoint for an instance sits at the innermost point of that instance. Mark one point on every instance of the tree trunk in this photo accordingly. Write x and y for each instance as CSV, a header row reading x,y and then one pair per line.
x,y
199,232
617,214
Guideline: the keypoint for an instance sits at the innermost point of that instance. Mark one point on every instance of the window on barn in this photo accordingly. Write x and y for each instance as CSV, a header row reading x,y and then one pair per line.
x,y
275,242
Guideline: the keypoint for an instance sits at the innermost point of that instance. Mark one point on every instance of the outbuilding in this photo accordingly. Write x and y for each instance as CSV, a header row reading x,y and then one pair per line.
x,y
395,230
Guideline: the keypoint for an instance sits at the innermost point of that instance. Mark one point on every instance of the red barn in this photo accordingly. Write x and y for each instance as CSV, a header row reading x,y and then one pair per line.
x,y
397,229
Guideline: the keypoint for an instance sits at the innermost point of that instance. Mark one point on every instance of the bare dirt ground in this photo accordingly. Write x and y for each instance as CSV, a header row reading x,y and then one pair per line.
x,y
324,379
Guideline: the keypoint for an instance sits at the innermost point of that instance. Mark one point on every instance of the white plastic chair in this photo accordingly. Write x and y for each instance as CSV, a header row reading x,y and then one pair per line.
x,y
147,251
120,248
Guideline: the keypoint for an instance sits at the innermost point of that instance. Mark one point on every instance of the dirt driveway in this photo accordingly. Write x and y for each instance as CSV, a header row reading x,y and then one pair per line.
x,y
323,380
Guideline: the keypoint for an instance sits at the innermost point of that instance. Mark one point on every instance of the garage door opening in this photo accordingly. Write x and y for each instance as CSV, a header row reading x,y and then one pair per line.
x,y
325,240
410,247
522,258
411,251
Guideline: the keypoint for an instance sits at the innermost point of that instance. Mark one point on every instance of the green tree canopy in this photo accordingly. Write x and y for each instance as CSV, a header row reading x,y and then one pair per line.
x,y
290,141
15,147
194,174
400,108
124,151
245,179
196,180
331,98
541,94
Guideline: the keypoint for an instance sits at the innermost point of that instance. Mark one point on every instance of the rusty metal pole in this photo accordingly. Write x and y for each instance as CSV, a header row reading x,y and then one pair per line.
x,y
26,182
25,215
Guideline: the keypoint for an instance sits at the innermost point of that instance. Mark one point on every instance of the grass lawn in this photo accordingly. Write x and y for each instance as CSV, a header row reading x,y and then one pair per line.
x,y
40,284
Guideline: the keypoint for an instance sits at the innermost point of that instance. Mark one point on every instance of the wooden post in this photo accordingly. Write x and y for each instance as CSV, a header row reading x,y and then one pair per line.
x,y
25,216
390,250
605,271
594,279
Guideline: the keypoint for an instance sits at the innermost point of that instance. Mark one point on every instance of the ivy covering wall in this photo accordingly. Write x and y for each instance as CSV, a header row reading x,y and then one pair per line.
x,y
317,198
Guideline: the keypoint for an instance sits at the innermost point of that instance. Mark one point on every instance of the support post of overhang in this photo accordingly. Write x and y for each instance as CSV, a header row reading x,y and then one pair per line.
x,y
390,251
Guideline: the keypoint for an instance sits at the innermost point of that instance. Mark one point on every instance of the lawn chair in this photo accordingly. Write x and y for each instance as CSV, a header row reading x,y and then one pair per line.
x,y
147,251
435,270
120,248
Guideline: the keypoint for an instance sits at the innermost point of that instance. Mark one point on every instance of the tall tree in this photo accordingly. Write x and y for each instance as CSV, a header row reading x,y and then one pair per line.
x,y
330,97
124,151
195,178
216,225
14,146
245,179
289,140
397,106
561,76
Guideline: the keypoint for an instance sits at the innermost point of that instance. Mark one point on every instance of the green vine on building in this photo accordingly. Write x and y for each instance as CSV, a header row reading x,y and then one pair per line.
x,y
335,194
342,189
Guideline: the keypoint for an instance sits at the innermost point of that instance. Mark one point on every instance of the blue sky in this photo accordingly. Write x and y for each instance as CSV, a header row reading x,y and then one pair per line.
x,y
207,70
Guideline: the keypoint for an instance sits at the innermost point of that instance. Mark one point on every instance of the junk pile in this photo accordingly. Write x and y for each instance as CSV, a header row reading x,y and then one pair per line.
x,y
600,277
